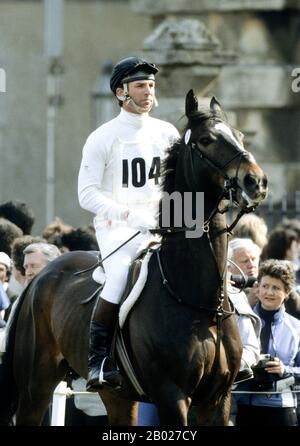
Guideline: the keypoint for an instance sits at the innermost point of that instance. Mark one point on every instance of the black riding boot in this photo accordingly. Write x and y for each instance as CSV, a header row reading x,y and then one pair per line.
x,y
101,370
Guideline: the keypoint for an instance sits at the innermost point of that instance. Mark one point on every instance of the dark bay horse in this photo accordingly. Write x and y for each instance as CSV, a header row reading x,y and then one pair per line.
x,y
182,335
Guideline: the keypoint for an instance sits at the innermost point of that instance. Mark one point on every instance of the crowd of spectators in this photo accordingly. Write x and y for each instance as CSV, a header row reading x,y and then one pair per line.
x,y
22,257
263,268
263,283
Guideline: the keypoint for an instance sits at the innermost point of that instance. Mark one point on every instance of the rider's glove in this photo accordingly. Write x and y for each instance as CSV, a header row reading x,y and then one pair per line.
x,y
142,220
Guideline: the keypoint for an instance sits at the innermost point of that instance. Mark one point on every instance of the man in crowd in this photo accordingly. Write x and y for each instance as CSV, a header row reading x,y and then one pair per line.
x,y
243,256
36,257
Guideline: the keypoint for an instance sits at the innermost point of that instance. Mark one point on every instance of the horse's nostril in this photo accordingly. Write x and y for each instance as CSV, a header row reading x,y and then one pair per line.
x,y
265,181
250,181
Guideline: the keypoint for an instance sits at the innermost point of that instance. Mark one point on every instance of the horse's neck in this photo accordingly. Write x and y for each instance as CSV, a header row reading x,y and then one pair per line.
x,y
219,240
194,267
205,185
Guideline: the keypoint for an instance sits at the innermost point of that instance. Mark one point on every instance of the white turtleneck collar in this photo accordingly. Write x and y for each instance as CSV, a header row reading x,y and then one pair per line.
x,y
134,119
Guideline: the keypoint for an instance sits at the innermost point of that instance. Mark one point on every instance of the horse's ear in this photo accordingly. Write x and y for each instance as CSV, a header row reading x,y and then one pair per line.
x,y
215,105
191,103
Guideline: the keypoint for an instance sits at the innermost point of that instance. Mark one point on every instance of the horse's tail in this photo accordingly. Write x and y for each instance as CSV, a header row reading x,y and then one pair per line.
x,y
8,388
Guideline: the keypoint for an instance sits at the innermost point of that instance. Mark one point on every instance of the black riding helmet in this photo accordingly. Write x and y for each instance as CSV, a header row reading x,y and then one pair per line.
x,y
131,69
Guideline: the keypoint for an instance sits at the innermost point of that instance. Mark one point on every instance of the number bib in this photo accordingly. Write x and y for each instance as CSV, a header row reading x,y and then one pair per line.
x,y
137,167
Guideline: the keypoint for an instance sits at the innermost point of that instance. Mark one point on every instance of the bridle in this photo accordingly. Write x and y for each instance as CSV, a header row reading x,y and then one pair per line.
x,y
232,182
230,185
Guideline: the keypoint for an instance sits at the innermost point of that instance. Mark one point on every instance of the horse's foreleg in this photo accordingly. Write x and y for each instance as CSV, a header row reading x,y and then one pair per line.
x,y
120,412
173,413
30,410
36,391
172,406
214,416
222,412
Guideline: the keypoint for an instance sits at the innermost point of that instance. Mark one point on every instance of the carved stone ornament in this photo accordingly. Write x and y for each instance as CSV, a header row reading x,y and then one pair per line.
x,y
201,6
181,34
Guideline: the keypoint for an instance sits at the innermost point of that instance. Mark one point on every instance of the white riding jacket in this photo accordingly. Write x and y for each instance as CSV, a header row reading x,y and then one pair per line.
x,y
121,165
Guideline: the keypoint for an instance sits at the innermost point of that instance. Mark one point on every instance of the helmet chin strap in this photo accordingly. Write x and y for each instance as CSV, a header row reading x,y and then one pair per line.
x,y
126,98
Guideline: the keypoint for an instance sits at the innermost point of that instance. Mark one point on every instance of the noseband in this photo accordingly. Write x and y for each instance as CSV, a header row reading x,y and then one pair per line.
x,y
230,183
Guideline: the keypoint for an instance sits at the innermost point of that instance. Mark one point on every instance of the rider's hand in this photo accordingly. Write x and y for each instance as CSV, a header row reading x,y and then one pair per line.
x,y
141,220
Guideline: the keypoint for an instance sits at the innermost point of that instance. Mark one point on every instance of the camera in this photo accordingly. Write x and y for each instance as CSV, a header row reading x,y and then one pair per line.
x,y
262,363
262,379
241,282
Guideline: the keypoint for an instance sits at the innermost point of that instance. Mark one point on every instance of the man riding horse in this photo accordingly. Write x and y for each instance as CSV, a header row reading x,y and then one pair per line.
x,y
118,182
183,339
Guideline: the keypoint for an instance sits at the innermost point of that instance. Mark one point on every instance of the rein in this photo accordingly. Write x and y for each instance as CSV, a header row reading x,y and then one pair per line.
x,y
219,310
100,261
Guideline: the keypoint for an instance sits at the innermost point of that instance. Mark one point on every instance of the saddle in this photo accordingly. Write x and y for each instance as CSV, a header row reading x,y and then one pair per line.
x,y
136,280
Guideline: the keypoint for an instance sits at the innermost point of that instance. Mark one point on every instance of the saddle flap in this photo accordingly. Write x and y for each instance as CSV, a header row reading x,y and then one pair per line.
x,y
137,277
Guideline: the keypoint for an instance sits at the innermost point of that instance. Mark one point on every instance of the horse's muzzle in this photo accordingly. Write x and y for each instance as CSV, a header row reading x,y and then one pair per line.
x,y
256,186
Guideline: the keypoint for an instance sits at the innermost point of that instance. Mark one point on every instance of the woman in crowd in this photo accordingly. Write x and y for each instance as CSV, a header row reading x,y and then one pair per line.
x,y
280,338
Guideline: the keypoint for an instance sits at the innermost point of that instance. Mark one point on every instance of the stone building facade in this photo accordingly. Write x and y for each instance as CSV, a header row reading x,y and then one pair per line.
x,y
242,51
247,53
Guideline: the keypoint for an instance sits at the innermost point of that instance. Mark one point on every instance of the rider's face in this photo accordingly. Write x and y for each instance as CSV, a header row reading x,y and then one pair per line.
x,y
142,93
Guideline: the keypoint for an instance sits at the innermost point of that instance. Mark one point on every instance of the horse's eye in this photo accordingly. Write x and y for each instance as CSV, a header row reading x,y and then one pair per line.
x,y
205,141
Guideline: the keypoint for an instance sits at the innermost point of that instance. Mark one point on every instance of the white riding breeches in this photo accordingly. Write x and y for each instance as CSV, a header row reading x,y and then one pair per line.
x,y
117,265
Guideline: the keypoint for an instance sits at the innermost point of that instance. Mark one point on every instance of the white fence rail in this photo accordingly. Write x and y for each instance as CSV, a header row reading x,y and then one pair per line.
x,y
62,392
59,402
